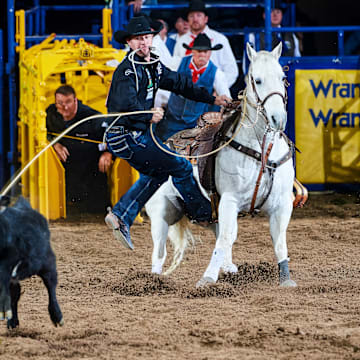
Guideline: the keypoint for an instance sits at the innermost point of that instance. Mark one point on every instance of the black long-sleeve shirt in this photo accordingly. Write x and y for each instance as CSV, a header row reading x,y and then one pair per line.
x,y
125,97
81,152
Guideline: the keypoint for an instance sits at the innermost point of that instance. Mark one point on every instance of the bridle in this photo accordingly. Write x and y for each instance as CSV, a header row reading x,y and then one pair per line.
x,y
260,104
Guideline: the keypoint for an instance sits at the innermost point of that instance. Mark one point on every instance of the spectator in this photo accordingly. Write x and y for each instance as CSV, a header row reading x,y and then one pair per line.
x,y
139,3
164,31
181,26
223,59
290,43
85,165
169,42
183,113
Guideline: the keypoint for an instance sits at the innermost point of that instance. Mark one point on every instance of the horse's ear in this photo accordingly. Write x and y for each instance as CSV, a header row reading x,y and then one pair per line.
x,y
277,51
251,53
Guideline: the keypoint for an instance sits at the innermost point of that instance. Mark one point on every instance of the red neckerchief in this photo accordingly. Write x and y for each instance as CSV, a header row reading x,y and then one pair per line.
x,y
188,52
196,72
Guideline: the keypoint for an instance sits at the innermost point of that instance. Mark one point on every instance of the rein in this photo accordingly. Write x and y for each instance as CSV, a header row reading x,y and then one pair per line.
x,y
261,172
263,156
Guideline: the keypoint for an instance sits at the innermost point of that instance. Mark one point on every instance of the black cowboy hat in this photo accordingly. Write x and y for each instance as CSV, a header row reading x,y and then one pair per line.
x,y
138,25
156,25
196,5
201,43
181,13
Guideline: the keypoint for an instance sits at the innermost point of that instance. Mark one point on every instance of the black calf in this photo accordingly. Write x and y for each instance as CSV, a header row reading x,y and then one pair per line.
x,y
25,251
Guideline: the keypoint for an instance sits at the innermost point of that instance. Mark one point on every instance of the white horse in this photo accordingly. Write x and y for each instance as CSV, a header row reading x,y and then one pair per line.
x,y
245,182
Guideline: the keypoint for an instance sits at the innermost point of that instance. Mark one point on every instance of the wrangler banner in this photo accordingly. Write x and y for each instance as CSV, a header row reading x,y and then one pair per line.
x,y
327,126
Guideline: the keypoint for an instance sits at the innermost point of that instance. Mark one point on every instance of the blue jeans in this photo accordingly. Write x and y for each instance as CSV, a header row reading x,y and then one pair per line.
x,y
154,166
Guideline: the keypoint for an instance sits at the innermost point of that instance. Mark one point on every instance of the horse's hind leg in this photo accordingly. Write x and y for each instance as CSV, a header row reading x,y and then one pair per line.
x,y
162,213
159,233
279,221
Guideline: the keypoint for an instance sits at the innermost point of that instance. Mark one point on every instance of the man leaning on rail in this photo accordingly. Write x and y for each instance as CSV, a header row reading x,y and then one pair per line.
x,y
133,88
85,163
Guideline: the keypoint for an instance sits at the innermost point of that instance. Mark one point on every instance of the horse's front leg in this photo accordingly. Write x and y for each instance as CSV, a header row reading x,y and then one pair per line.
x,y
222,254
279,221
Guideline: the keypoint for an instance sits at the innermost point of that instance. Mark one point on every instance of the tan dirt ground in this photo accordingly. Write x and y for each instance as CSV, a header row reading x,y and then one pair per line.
x,y
114,308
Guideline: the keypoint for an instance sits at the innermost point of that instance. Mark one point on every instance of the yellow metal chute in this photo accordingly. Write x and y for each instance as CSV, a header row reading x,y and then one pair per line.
x,y
43,68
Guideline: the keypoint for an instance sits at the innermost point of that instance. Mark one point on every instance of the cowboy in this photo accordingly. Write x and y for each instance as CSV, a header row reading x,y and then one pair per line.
x,y
223,59
183,113
133,88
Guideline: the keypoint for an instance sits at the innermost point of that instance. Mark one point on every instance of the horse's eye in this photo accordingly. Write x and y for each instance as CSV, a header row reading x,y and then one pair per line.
x,y
258,81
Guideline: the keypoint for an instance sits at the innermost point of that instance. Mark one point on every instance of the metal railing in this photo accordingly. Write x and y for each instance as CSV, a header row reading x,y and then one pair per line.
x,y
340,30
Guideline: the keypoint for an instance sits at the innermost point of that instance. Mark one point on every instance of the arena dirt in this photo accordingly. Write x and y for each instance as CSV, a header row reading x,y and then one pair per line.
x,y
114,308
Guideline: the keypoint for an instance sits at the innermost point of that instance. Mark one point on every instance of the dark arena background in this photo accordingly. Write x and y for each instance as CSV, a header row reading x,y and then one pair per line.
x,y
115,308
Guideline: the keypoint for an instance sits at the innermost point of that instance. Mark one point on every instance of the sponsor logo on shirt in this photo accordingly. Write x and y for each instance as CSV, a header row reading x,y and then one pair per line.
x,y
128,72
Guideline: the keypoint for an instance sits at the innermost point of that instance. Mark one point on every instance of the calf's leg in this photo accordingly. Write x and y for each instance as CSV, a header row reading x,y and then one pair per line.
x,y
15,293
49,277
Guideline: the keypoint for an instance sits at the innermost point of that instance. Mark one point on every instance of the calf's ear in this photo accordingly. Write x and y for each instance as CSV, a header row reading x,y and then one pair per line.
x,y
4,200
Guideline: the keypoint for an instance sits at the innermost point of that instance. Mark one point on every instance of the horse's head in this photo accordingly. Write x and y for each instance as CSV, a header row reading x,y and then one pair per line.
x,y
266,85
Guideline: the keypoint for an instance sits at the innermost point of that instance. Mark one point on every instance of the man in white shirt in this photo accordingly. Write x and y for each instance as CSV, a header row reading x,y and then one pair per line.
x,y
223,59
183,113
172,62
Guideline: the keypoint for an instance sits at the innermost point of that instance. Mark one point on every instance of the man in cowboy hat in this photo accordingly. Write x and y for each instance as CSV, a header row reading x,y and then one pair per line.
x,y
223,59
133,88
183,113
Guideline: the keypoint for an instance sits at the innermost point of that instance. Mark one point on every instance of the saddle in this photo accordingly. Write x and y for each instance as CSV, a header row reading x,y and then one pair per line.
x,y
210,131
203,139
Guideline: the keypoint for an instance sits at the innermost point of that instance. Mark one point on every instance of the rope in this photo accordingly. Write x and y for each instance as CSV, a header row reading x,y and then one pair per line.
x,y
202,155
77,138
133,62
6,190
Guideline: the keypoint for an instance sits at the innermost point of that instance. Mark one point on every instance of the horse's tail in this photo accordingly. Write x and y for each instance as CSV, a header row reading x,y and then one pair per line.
x,y
180,236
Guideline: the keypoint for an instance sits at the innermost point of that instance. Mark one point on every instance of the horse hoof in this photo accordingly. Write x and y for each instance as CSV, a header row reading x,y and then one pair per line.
x,y
288,283
156,269
230,268
204,281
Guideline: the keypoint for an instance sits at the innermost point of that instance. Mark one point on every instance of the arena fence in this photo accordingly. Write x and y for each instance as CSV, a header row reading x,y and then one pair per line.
x,y
117,17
